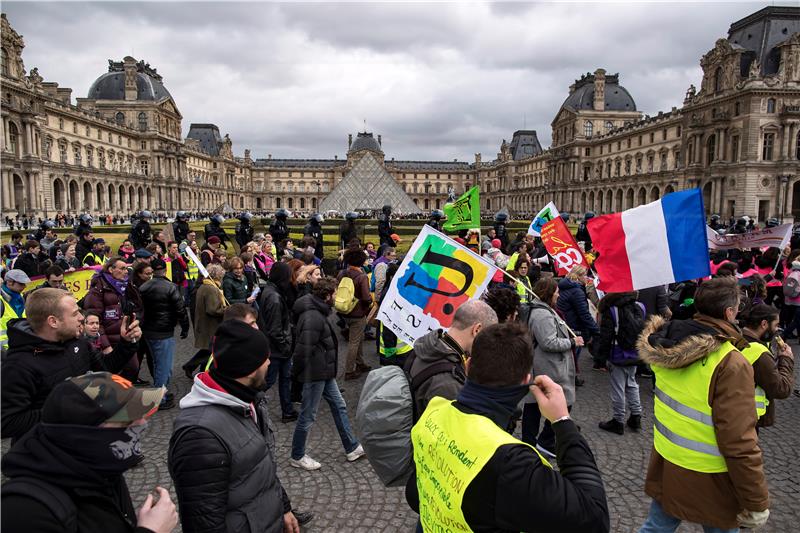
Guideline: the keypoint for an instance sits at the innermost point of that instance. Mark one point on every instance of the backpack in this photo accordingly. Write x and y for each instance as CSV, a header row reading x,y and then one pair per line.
x,y
56,499
346,299
623,351
791,287
385,416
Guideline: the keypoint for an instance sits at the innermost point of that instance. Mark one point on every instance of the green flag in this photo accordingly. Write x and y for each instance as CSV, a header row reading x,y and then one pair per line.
x,y
464,213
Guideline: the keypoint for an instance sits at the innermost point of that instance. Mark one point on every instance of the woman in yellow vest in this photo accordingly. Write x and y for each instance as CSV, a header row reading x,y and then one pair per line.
x,y
523,285
472,474
773,373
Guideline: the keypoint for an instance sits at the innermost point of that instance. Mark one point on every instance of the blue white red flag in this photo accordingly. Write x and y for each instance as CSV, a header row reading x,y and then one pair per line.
x,y
654,244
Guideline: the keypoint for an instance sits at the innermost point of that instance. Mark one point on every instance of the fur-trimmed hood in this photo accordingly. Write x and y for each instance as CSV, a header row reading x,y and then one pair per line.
x,y
679,343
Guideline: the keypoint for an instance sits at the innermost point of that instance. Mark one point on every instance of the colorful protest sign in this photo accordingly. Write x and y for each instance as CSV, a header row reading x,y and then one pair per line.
x,y
77,282
778,237
435,278
464,213
543,217
561,245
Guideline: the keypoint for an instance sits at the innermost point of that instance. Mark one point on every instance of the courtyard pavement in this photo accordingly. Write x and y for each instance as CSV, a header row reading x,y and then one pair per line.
x,y
348,497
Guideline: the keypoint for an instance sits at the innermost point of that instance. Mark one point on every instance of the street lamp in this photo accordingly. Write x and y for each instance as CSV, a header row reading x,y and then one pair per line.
x,y
319,188
783,191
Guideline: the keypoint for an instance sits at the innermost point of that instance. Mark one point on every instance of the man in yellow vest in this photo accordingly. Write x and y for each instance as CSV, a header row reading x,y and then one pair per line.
x,y
97,257
773,373
473,475
706,466
12,303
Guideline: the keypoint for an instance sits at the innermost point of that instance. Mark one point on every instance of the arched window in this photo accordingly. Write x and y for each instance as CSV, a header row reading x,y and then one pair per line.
x,y
712,148
609,125
302,203
770,105
142,121
719,75
797,147
587,128
13,138
120,118
277,203
290,203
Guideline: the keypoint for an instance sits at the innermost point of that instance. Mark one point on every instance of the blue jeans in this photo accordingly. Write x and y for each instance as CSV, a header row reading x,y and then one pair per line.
x,y
660,522
280,370
163,352
313,392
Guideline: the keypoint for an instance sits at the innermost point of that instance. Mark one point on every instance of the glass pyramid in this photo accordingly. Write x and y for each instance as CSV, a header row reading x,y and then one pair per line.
x,y
368,186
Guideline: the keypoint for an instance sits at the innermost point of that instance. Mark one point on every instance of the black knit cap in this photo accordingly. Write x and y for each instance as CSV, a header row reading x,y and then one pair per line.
x,y
239,349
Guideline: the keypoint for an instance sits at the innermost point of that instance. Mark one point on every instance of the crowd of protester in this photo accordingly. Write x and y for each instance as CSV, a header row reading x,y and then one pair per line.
x,y
263,313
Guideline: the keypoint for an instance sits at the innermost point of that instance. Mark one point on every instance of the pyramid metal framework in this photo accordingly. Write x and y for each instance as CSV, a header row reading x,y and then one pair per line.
x,y
366,187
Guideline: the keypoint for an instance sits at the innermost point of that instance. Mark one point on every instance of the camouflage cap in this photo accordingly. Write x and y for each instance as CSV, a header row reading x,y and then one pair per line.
x,y
98,397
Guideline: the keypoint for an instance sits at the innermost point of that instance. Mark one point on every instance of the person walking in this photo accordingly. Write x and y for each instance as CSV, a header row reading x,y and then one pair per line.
x,y
356,319
235,285
706,466
621,322
274,321
315,362
163,310
472,475
573,305
209,307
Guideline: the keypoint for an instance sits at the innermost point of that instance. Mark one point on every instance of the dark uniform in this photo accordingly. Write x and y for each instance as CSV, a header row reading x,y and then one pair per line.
x,y
435,220
141,234
314,229
500,220
385,226
214,228
583,232
244,230
180,228
348,230
84,225
279,230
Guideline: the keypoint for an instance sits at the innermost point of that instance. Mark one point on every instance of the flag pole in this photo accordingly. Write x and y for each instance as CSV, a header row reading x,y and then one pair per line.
x,y
529,291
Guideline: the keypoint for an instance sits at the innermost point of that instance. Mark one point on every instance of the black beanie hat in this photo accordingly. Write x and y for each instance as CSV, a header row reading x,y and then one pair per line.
x,y
239,349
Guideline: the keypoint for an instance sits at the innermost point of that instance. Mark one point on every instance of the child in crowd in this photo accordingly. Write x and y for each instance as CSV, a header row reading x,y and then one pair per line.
x,y
91,330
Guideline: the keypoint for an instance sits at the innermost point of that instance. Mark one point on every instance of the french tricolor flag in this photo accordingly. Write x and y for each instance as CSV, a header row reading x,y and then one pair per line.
x,y
654,244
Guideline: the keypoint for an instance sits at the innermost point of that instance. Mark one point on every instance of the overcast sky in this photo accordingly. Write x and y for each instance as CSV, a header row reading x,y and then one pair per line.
x,y
439,81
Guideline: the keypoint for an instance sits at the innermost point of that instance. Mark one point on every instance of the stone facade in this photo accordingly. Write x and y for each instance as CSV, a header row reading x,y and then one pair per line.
x,y
121,149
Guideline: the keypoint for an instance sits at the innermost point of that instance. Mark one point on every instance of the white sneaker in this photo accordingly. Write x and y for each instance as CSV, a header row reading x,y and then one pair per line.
x,y
356,454
306,463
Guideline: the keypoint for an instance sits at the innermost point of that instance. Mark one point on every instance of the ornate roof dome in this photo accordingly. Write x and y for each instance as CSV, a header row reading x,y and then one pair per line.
x,y
617,97
111,85
365,141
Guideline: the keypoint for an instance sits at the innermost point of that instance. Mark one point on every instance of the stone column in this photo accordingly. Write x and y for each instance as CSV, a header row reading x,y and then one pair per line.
x,y
721,144
6,185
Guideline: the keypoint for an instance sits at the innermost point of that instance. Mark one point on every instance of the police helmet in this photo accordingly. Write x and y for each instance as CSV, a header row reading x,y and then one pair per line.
x,y
219,219
772,222
715,218
145,214
387,209
351,215
86,219
245,217
181,215
437,214
565,217
588,215
281,213
47,224
316,217
500,217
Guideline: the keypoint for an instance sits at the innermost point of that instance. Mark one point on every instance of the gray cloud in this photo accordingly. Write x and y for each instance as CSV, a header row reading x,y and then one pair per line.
x,y
437,80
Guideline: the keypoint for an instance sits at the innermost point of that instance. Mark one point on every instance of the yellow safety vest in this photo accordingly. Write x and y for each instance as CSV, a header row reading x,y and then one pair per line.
x,y
512,261
191,268
391,351
524,296
684,430
450,448
752,353
8,314
99,260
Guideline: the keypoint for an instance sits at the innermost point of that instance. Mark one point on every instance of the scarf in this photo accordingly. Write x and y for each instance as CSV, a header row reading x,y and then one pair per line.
x,y
498,404
119,285
15,300
107,451
233,387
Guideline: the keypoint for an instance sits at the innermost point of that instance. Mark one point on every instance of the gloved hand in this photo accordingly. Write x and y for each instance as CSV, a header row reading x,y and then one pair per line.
x,y
184,333
752,519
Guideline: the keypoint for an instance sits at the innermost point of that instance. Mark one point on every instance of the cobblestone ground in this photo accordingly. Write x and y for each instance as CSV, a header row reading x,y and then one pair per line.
x,y
349,497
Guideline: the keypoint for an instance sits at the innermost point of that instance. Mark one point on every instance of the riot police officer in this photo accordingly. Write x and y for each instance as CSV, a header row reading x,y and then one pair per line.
x,y
244,230
314,229
500,220
44,227
348,230
278,228
84,225
180,228
214,228
715,223
435,219
385,226
740,226
772,222
141,234
583,232
565,217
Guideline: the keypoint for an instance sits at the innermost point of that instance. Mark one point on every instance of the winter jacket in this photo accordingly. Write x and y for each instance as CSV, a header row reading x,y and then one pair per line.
x,y
274,321
111,306
215,230
709,499
552,349
33,366
514,489
236,290
82,248
610,334
431,348
362,294
316,349
164,309
655,301
315,230
774,374
575,309
98,502
28,263
222,460
209,308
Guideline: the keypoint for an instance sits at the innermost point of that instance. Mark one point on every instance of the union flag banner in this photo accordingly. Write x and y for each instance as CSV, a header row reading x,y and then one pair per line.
x,y
561,245
436,276
464,213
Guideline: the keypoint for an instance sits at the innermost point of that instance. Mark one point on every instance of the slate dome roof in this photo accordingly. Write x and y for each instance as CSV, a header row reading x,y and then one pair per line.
x,y
111,85
365,141
617,97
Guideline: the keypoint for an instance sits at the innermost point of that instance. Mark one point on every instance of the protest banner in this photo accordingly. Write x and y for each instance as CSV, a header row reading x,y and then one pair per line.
x,y
561,245
778,237
77,281
464,213
543,217
435,278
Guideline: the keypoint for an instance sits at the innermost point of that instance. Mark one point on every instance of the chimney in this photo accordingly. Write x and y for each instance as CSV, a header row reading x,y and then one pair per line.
x,y
380,143
349,140
129,64
599,89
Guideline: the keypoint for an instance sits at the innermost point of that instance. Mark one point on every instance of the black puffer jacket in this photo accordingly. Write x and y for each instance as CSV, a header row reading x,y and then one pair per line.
x,y
273,320
629,314
163,308
34,366
316,349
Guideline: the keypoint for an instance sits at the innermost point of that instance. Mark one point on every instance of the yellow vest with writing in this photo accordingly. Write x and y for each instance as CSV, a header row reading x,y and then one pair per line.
x,y
450,448
752,353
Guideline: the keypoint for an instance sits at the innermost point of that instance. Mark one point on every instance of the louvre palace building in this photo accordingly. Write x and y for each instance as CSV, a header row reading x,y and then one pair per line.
x,y
122,147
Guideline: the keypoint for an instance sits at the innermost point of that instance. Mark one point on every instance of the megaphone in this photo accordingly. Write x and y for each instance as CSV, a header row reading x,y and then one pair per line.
x,y
542,260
